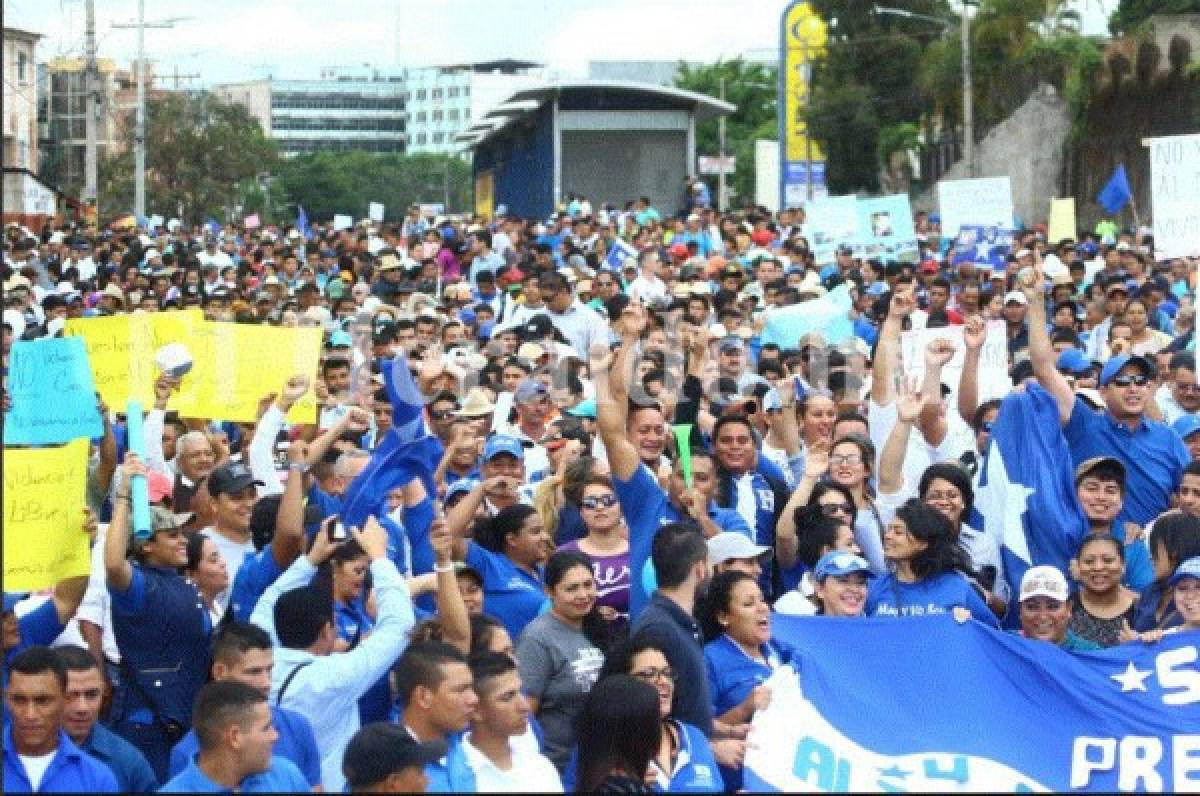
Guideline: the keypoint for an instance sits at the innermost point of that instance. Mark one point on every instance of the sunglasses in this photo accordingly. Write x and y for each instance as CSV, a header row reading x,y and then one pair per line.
x,y
829,509
442,415
1130,381
599,502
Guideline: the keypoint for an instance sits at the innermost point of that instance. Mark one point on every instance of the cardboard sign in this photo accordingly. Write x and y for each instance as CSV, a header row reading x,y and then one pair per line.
x,y
53,395
986,201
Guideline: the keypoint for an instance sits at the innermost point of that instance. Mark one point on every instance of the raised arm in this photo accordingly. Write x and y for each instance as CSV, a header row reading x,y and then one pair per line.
x,y
611,414
816,464
452,610
891,462
931,422
261,451
974,336
117,568
887,350
103,474
355,419
288,542
1041,353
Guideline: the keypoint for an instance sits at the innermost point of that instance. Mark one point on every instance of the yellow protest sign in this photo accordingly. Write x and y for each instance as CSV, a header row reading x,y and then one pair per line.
x,y
121,350
44,494
1062,220
237,364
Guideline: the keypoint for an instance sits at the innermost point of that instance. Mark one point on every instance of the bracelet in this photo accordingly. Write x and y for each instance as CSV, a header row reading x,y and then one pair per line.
x,y
443,567
303,467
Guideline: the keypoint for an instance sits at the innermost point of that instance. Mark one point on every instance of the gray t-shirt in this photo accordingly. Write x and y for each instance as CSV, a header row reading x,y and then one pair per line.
x,y
558,666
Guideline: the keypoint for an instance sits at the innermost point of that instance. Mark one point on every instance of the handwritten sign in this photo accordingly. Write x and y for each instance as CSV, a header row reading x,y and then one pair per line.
x,y
1175,194
44,492
121,352
53,395
993,359
986,201
240,363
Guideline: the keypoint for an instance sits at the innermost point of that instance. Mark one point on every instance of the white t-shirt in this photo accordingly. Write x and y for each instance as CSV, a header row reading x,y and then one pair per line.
x,y
531,772
234,554
798,601
35,767
649,290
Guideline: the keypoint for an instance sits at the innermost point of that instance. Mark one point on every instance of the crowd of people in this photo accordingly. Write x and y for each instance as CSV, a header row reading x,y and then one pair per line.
x,y
576,590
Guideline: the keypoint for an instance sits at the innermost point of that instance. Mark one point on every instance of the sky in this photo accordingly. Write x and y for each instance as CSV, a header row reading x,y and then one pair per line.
x,y
234,40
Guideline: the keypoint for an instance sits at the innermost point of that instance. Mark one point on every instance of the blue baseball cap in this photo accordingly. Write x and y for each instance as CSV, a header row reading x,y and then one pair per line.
x,y
1074,361
1188,569
486,329
840,563
585,408
11,598
460,487
529,390
1113,366
502,443
877,288
340,339
1186,426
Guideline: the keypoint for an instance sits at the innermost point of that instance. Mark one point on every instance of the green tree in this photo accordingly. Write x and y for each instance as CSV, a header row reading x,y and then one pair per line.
x,y
199,149
328,183
1130,15
752,88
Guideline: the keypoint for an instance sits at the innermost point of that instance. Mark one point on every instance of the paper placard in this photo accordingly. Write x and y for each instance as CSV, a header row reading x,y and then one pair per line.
x,y
53,394
343,221
1175,195
885,229
993,359
829,223
375,211
1061,224
986,201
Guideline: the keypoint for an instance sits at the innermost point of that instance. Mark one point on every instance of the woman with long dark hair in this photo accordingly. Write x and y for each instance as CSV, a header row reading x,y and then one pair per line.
x,y
619,732
818,532
205,569
927,567
559,654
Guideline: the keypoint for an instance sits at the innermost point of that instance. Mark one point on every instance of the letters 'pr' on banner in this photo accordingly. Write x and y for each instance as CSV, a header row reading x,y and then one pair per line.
x,y
44,493
878,705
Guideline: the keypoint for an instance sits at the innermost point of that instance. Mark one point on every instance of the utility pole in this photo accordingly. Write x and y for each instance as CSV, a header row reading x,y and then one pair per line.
x,y
968,94
176,77
139,128
91,90
721,155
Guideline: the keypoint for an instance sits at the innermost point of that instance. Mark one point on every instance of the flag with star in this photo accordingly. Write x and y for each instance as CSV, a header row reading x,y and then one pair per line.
x,y
1026,496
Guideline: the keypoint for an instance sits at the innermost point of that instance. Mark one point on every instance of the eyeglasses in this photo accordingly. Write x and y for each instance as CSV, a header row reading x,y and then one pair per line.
x,y
442,415
652,675
1130,381
940,496
848,458
599,502
837,508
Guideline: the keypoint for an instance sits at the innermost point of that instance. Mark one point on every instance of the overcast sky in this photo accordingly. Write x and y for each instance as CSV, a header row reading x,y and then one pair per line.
x,y
231,40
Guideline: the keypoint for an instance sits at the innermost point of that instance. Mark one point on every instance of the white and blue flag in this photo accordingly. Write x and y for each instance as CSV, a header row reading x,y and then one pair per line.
x,y
618,252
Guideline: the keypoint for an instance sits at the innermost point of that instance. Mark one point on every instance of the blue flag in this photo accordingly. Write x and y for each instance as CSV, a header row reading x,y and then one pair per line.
x,y
618,252
1026,493
1115,192
406,452
212,226
829,315
926,704
302,223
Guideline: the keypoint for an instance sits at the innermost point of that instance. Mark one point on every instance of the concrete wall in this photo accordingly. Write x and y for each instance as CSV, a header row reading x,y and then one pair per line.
x,y
1029,147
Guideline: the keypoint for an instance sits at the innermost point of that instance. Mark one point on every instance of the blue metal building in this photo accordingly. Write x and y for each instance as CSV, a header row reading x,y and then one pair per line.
x,y
609,141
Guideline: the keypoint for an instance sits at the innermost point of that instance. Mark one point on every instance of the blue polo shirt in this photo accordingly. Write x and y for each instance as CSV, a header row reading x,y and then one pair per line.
x,y
257,572
296,743
678,635
510,594
1154,457
281,777
732,675
646,509
71,770
937,594
127,764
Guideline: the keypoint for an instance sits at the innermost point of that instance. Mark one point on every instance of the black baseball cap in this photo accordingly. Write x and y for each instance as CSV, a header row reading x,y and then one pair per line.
x,y
538,327
232,477
380,749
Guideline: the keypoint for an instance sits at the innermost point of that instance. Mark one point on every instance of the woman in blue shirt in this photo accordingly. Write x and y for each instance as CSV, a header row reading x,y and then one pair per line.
x,y
927,566
507,551
684,762
740,654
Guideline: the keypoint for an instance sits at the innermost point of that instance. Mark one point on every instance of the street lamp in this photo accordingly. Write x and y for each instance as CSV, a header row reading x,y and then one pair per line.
x,y
967,89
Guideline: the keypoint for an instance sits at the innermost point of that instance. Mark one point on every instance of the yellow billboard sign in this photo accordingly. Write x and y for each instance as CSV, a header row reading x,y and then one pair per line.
x,y
803,41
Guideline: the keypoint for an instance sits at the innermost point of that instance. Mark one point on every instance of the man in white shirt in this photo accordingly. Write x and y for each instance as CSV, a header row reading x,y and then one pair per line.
x,y
648,287
582,327
1180,395
501,763
232,487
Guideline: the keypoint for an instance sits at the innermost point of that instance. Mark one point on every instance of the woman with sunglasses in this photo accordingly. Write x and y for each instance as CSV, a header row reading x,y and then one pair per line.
x,y
818,535
739,654
608,549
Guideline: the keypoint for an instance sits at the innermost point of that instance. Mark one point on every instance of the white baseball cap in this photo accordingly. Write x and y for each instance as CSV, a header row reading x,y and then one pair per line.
x,y
730,545
1044,581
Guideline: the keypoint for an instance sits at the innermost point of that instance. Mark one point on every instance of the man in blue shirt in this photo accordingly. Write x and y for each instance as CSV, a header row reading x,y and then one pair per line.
x,y
384,758
242,653
38,755
236,736
85,694
1153,455
43,624
434,684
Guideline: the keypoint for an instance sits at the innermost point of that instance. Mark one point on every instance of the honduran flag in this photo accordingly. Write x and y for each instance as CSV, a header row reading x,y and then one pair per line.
x,y
406,452
1026,494
618,252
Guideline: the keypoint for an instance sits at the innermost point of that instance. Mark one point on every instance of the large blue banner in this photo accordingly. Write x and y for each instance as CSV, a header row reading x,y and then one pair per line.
x,y
928,704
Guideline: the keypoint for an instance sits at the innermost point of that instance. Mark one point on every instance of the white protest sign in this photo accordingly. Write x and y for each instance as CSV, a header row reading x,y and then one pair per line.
x,y
375,211
986,201
155,221
342,221
829,223
993,359
1175,195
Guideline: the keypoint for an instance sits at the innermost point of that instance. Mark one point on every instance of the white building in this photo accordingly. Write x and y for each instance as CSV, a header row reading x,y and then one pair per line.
x,y
20,100
443,101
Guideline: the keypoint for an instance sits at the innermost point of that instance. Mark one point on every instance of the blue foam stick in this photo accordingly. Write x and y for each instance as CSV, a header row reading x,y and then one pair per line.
x,y
139,491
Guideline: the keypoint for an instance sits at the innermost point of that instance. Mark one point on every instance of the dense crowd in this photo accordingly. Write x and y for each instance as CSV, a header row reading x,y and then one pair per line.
x,y
573,586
